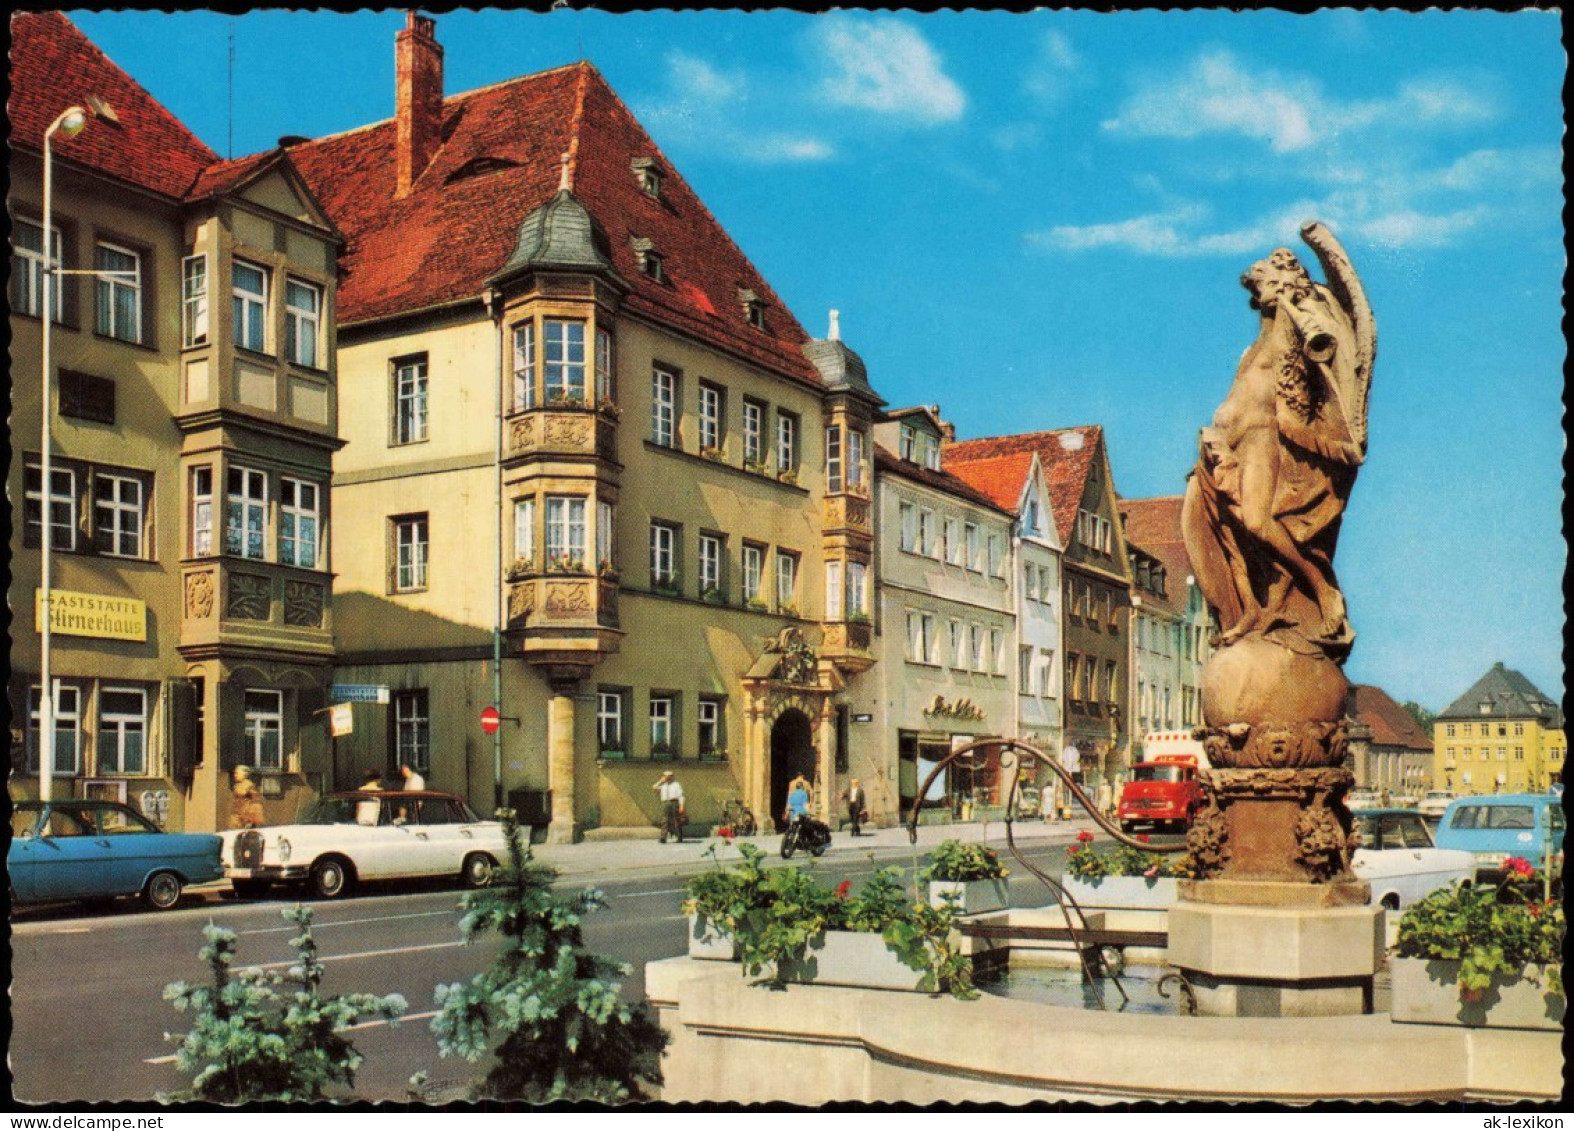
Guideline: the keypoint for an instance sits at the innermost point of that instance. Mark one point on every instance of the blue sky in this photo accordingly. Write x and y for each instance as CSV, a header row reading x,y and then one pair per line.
x,y
1039,221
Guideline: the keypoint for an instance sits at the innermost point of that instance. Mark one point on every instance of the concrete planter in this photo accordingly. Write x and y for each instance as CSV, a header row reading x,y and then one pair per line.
x,y
1134,892
705,941
973,896
851,958
1426,992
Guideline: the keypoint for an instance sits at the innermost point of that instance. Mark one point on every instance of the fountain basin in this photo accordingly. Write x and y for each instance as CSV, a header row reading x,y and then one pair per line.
x,y
733,1041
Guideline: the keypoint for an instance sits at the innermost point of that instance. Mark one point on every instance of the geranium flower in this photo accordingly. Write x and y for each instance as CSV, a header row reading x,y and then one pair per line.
x,y
725,834
843,888
1518,866
1144,837
1084,836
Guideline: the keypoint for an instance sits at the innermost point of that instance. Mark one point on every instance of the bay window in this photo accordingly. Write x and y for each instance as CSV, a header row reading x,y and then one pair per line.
x,y
249,293
299,522
524,366
246,514
525,533
201,511
565,532
564,361
833,458
194,300
302,321
833,590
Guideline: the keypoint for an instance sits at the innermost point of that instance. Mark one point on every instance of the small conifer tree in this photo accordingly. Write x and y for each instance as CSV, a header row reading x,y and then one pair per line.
x,y
252,1038
547,1009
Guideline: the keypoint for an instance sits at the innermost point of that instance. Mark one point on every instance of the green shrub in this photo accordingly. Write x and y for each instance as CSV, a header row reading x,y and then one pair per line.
x,y
1087,863
955,862
249,1041
546,1009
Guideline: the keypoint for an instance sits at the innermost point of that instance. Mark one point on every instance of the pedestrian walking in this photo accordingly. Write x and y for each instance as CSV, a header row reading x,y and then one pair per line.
x,y
673,813
412,780
246,811
368,808
856,801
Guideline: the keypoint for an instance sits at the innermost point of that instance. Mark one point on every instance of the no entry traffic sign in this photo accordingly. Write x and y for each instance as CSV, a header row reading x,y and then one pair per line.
x,y
491,720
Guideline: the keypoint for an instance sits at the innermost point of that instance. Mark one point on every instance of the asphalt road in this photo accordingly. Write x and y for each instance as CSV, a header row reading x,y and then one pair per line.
x,y
89,1020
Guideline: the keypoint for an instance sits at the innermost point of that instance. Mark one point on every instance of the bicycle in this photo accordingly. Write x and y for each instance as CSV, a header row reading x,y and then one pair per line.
x,y
738,817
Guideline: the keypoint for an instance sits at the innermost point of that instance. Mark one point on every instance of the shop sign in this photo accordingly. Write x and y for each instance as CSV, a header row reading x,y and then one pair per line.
x,y
91,614
961,709
341,720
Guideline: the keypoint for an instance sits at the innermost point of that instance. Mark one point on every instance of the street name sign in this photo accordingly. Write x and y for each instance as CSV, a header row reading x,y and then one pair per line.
x,y
359,693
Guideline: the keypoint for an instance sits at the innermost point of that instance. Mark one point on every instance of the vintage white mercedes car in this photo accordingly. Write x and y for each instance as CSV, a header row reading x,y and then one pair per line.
x,y
345,838
1399,859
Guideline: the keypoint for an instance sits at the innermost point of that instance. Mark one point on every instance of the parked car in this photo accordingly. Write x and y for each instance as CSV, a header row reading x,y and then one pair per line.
x,y
1496,826
77,849
345,838
1363,799
1397,857
1434,802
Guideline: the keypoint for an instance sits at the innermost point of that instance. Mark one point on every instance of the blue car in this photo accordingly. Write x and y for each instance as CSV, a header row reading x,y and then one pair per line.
x,y
74,849
1496,826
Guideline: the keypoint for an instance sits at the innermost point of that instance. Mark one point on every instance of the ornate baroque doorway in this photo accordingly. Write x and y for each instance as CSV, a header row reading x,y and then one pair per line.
x,y
792,753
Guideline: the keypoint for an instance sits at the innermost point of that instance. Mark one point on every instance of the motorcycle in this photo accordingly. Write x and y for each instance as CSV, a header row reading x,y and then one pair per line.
x,y
804,832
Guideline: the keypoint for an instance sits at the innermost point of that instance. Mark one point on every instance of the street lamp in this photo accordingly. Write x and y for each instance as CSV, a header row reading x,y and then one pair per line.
x,y
72,121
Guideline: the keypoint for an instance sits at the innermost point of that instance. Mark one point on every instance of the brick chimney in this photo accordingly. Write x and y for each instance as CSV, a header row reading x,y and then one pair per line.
x,y
418,98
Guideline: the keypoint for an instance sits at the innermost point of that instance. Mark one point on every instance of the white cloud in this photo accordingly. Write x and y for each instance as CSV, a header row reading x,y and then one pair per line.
x,y
1057,70
1410,229
708,108
887,66
1218,95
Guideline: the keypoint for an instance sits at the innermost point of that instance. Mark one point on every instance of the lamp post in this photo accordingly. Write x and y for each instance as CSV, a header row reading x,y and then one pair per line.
x,y
72,121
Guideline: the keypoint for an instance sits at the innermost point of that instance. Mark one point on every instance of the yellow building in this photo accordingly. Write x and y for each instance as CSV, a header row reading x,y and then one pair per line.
x,y
595,473
193,421
1501,736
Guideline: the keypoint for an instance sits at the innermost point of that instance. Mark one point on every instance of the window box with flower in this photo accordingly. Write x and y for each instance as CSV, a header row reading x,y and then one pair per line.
x,y
1123,877
1483,956
714,454
967,877
608,571
567,400
788,475
523,567
666,586
563,563
713,595
857,618
757,604
663,751
754,466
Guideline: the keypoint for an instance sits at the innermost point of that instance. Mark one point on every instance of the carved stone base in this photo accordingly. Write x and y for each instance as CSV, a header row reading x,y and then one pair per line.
x,y
1287,825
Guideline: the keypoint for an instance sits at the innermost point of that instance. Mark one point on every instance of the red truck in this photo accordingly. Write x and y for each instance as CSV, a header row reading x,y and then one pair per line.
x,y
1163,793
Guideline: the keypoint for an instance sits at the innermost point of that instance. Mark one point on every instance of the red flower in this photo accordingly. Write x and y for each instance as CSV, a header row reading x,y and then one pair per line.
x,y
843,888
724,833
1073,850
1084,836
1518,866
1144,837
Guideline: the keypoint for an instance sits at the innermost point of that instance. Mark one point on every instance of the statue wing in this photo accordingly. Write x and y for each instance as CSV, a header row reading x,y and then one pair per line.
x,y
1346,288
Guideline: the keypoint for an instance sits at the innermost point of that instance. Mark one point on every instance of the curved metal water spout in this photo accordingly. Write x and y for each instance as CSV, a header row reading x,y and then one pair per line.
x,y
1067,903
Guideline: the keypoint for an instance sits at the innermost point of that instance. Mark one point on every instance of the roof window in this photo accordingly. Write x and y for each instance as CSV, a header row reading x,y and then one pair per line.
x,y
478,165
753,308
651,262
649,176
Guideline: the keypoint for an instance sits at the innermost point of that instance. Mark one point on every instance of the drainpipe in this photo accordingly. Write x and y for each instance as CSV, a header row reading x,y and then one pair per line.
x,y
494,309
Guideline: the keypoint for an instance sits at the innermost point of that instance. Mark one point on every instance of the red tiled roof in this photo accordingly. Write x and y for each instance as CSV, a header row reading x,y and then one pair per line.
x,y
885,461
1065,469
999,477
1154,527
222,176
1391,724
53,66
442,241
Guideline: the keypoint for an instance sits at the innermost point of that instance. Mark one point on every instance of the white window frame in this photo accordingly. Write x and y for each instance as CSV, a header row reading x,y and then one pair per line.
x,y
412,390
975,637
972,550
996,559
997,658
48,523
857,589
855,460
194,300
753,570
710,562
708,717
609,723
662,714
958,645
412,541
302,324
413,729
663,407
907,523
564,531
953,543
786,579
663,554
1030,582
1026,670
753,432
525,531
833,589
241,508
606,529
920,636
834,479
786,441
295,548
122,515
710,417
909,443
524,366
27,281
201,480
563,376
605,390
68,722
249,307
109,285
115,727
927,545
263,720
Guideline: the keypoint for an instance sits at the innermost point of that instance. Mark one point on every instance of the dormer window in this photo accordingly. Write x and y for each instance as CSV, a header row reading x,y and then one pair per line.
x,y
649,176
651,262
753,308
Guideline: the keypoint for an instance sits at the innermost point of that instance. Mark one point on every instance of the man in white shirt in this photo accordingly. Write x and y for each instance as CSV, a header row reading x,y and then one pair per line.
x,y
412,780
671,794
